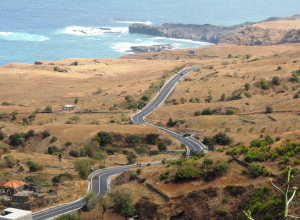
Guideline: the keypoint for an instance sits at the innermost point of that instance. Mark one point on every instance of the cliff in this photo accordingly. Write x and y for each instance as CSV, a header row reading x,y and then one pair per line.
x,y
206,32
271,31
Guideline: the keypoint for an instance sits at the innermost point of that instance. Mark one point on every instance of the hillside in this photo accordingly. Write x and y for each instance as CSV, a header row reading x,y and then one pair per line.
x,y
247,93
269,141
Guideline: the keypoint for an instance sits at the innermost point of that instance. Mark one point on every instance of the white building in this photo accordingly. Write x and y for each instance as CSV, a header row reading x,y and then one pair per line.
x,y
16,214
68,107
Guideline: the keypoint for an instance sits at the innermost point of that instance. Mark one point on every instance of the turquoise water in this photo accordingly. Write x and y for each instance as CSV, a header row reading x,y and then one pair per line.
x,y
33,30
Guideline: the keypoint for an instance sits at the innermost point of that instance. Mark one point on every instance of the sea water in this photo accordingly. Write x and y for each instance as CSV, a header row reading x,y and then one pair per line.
x,y
33,30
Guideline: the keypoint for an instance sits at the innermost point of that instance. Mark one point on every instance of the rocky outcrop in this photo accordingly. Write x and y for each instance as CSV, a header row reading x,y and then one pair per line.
x,y
206,32
268,32
252,36
153,48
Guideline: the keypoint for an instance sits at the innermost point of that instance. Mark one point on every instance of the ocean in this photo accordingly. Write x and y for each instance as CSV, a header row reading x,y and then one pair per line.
x,y
32,30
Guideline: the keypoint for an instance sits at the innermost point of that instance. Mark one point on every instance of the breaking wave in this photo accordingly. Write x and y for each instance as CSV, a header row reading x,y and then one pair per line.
x,y
133,22
19,36
92,31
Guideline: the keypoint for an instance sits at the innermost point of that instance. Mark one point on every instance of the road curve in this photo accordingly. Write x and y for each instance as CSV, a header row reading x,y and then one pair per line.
x,y
191,143
98,183
99,180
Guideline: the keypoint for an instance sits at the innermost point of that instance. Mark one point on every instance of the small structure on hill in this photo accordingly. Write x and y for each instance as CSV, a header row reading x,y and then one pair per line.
x,y
16,214
13,186
68,107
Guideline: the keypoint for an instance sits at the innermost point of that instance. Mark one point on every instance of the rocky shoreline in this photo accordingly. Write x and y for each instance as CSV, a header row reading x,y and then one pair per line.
x,y
237,34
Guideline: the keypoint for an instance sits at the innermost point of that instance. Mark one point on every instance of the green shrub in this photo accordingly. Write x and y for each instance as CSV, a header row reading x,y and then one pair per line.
x,y
83,167
68,143
276,80
31,179
103,138
132,177
1,136
256,170
230,111
221,212
197,113
69,216
152,138
257,143
53,139
188,172
164,175
171,123
73,153
33,167
208,161
225,200
123,203
247,86
222,139
131,157
264,84
52,150
207,111
17,139
269,109
45,134
132,140
62,177
161,146
48,109
237,150
153,152
220,169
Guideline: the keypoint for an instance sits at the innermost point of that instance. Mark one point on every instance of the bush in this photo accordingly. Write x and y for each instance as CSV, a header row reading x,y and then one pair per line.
x,y
131,157
33,167
197,113
276,80
68,143
230,111
161,146
31,179
153,152
171,123
222,139
221,212
164,175
104,138
132,140
207,111
17,139
220,169
73,153
247,86
45,134
123,203
269,109
208,161
264,84
1,136
132,177
69,216
188,172
48,109
61,177
52,150
256,170
152,138
83,167
53,139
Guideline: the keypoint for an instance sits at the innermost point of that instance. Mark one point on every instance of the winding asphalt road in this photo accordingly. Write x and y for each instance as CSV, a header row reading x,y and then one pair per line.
x,y
191,143
100,179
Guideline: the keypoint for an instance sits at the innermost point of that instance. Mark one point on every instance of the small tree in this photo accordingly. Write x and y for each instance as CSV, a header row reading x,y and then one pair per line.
x,y
131,157
161,146
132,140
269,109
276,80
48,109
247,86
207,111
45,134
104,138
